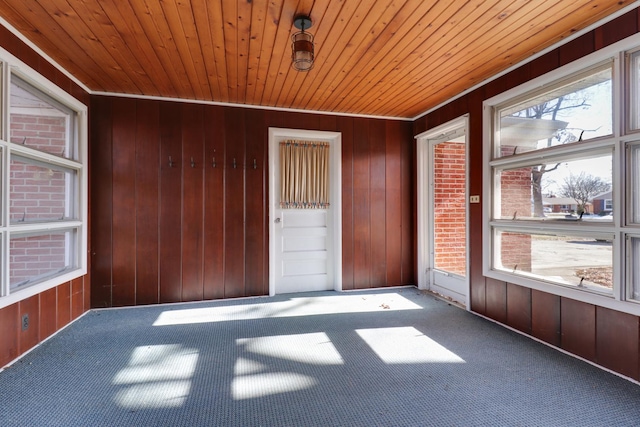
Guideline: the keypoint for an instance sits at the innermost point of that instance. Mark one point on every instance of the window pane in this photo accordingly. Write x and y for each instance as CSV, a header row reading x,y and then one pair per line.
x,y
560,190
38,122
39,192
634,99
572,112
33,259
634,186
634,259
568,260
2,205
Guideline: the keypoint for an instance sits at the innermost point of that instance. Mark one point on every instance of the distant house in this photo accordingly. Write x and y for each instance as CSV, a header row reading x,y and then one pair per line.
x,y
603,202
560,204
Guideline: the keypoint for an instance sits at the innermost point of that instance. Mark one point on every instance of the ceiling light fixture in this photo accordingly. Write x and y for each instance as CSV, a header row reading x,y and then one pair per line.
x,y
302,44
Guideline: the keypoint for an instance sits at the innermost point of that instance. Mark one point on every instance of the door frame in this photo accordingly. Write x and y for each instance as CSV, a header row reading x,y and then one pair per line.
x,y
425,210
335,197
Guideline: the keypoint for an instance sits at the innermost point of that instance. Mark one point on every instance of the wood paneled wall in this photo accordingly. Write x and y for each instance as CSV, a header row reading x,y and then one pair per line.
x,y
50,310
168,225
603,336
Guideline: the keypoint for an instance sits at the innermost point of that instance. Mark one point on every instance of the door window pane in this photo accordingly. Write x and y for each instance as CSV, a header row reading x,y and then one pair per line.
x,y
573,111
449,207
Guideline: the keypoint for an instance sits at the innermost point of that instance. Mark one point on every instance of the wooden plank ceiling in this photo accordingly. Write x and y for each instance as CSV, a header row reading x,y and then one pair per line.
x,y
395,58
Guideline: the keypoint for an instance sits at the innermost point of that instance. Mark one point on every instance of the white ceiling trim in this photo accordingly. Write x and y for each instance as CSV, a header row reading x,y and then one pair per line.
x,y
255,107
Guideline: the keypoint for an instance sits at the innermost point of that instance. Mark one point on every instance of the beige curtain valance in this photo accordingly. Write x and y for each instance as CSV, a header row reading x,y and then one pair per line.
x,y
304,174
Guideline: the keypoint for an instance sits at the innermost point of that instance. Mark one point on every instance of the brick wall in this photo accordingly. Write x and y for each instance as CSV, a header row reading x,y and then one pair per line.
x,y
515,186
449,207
37,193
516,251
34,256
44,133
598,206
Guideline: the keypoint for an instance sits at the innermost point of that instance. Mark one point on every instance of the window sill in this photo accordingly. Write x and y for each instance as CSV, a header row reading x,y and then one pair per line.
x,y
38,288
588,295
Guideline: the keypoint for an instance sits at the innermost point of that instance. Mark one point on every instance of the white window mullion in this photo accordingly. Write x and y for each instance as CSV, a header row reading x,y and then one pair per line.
x,y
619,217
548,155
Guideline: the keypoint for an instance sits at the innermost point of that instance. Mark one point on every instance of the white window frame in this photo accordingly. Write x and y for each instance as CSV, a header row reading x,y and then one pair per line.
x,y
10,65
620,229
424,149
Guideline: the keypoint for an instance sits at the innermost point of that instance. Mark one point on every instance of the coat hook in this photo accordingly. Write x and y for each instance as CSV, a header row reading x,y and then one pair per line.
x,y
193,163
214,162
234,163
255,164
170,162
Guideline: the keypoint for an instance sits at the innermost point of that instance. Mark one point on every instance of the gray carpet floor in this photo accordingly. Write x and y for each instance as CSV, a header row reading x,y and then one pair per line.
x,y
395,357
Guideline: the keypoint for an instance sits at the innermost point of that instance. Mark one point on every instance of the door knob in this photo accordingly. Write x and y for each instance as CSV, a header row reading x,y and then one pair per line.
x,y
277,221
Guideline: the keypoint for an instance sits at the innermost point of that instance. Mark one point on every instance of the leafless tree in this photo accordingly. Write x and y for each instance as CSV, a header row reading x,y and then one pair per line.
x,y
583,187
550,110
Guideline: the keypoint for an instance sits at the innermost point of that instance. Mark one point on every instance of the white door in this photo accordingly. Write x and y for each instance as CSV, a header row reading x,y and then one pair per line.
x,y
442,192
304,244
